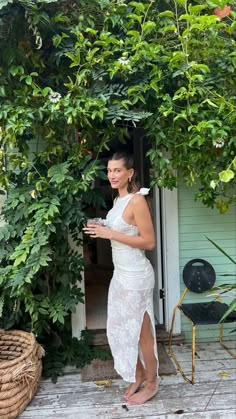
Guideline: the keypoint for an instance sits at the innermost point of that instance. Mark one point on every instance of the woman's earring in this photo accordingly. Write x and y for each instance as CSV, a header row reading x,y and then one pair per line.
x,y
129,179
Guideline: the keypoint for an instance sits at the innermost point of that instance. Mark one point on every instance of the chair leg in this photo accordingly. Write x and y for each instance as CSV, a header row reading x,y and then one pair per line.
x,y
223,344
172,327
172,354
193,352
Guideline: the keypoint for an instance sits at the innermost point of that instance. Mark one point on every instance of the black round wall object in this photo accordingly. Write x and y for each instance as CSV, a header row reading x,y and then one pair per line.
x,y
199,275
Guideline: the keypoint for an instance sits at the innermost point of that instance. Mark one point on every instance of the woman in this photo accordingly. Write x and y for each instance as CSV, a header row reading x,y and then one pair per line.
x,y
130,323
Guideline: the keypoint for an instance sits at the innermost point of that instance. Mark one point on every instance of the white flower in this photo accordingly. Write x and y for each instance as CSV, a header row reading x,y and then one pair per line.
x,y
54,97
219,143
123,61
144,191
33,193
213,184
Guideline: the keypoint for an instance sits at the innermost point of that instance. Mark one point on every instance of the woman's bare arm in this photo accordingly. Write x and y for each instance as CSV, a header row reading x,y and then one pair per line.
x,y
142,219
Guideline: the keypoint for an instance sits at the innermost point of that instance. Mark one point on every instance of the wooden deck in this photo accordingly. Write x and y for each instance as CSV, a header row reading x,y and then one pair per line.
x,y
213,396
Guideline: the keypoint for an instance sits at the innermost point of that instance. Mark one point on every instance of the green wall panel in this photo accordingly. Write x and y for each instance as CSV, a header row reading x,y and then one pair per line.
x,y
196,222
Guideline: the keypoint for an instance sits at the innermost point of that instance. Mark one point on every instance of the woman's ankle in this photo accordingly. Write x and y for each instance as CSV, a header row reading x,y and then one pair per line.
x,y
150,382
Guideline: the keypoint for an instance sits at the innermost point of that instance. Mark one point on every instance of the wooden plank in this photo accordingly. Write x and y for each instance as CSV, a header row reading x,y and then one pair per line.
x,y
166,391
215,365
214,218
207,355
209,332
201,254
74,414
201,247
221,414
167,401
200,377
102,409
225,387
101,394
219,401
207,346
212,396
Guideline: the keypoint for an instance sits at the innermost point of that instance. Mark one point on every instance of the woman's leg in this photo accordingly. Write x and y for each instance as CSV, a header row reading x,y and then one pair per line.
x,y
147,346
140,376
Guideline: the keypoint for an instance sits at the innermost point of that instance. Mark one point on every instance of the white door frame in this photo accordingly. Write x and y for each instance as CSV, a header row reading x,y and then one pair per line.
x,y
170,224
158,301
79,316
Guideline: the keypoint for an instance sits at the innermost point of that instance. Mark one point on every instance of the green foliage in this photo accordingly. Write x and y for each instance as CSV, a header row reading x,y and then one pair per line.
x,y
71,80
41,261
227,290
63,351
45,207
104,67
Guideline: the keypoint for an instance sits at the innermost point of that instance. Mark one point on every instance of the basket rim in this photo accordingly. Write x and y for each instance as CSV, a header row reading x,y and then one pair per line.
x,y
30,340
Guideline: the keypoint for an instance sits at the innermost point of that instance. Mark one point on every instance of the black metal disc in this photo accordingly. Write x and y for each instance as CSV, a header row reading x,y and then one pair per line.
x,y
199,275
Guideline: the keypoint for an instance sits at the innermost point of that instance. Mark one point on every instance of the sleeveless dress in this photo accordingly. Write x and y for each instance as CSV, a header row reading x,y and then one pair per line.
x,y
130,295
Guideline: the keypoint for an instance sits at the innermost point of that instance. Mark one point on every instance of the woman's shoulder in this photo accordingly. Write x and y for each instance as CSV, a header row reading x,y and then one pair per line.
x,y
139,197
143,191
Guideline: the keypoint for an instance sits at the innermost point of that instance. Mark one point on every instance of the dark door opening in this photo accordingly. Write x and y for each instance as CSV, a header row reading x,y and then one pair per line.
x,y
97,252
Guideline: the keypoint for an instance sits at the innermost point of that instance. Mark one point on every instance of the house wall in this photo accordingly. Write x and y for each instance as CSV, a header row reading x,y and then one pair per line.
x,y
196,221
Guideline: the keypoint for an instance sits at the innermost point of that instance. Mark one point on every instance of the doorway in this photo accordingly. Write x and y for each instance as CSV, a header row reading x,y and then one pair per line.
x,y
97,252
98,269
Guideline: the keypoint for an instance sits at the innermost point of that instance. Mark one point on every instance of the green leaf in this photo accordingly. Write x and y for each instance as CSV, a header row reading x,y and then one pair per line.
x,y
167,13
43,311
181,2
5,3
210,103
221,250
139,6
16,70
2,91
226,175
135,17
20,259
196,9
148,27
234,163
232,307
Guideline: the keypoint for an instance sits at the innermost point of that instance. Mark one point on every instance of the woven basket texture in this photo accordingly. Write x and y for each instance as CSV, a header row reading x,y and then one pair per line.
x,y
20,371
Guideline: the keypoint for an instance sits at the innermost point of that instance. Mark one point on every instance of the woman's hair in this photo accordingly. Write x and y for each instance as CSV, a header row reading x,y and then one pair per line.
x,y
133,185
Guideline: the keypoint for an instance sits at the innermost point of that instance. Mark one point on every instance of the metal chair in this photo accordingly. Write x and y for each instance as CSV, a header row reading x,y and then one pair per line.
x,y
199,276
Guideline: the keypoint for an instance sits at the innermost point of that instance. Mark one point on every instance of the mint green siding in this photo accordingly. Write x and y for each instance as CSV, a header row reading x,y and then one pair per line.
x,y
196,222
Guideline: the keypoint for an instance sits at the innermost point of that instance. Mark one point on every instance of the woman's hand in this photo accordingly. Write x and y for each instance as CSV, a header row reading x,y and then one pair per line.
x,y
98,231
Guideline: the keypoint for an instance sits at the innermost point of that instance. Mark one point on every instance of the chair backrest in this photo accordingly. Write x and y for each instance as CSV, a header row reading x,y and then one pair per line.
x,y
199,275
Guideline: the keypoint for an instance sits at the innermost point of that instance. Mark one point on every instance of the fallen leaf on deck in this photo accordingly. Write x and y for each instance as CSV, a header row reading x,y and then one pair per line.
x,y
106,383
224,374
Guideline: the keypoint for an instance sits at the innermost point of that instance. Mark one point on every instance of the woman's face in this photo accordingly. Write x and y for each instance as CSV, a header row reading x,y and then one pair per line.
x,y
118,175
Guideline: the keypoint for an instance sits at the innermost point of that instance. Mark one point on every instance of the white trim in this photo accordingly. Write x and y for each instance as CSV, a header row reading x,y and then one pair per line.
x,y
79,316
158,302
78,320
171,255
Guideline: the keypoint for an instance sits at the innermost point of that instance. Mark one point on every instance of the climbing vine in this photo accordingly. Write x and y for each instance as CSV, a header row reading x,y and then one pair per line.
x,y
71,80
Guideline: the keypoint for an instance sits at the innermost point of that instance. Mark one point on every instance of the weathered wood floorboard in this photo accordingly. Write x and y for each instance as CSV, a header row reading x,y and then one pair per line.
x,y
184,352
212,397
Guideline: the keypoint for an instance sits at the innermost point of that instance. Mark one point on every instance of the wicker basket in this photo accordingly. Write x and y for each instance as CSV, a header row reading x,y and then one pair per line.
x,y
20,371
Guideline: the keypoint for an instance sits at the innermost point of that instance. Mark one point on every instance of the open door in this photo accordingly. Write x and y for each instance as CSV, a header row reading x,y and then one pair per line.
x,y
154,198
99,268
164,258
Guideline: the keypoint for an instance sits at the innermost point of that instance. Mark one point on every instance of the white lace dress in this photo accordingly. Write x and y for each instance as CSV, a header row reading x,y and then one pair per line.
x,y
130,295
